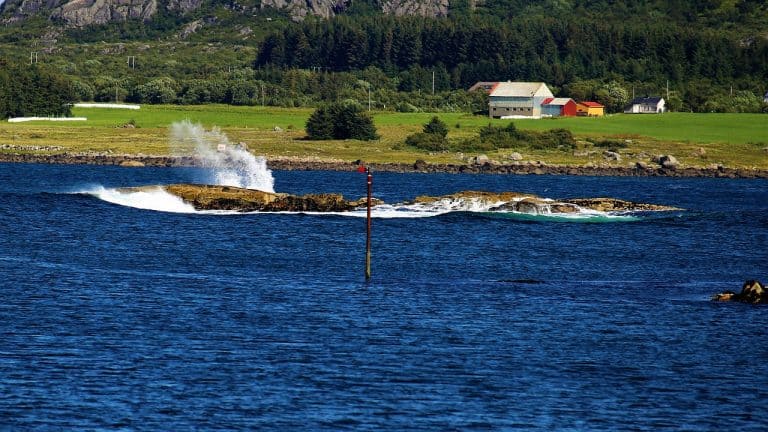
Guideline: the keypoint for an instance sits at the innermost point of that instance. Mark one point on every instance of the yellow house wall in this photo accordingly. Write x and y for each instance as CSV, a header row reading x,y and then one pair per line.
x,y
590,111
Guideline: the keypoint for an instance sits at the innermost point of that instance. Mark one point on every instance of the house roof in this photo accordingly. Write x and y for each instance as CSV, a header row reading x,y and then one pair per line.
x,y
521,89
556,101
591,104
483,85
646,101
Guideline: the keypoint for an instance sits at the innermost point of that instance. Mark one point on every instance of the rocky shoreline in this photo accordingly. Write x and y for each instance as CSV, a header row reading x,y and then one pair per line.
x,y
301,164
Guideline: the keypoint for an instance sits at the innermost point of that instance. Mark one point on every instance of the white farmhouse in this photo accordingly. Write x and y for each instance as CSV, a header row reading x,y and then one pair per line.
x,y
517,99
646,105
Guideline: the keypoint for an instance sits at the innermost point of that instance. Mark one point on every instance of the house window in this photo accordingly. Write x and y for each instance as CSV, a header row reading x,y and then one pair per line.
x,y
507,109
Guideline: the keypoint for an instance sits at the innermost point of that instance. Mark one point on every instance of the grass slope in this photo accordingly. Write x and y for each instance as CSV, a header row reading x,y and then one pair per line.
x,y
735,140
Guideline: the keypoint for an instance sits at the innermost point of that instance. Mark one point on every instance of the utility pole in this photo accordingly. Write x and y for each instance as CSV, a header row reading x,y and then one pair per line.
x,y
369,97
368,229
433,82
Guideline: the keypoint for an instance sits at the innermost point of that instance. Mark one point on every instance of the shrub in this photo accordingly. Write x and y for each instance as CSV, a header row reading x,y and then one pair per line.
x,y
427,141
432,137
553,139
492,138
611,145
405,107
436,127
341,120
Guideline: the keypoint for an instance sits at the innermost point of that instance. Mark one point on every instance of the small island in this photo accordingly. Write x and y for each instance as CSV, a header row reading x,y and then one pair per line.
x,y
230,198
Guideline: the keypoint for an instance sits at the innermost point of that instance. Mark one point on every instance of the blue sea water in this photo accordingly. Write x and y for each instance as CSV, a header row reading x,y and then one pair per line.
x,y
117,318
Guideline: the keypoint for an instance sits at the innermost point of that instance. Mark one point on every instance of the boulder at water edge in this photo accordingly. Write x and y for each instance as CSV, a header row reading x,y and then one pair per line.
x,y
752,292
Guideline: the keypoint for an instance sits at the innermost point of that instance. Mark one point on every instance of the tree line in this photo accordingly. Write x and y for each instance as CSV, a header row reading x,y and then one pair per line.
x,y
456,53
33,91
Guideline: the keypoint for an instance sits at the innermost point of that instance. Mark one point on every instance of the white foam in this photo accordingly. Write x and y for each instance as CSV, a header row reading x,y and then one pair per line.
x,y
229,164
150,199
159,200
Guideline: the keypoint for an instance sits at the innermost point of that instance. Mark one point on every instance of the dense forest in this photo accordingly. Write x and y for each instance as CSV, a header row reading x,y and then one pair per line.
x,y
702,55
33,91
699,63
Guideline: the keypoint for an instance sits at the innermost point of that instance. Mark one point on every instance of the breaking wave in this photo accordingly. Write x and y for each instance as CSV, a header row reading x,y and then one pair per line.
x,y
228,164
158,199
150,199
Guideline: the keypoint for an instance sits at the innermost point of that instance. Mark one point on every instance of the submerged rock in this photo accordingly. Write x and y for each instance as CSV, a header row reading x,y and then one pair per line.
x,y
532,204
751,292
613,204
480,198
536,205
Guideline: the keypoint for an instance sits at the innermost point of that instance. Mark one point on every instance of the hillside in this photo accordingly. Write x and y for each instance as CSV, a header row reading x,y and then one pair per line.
x,y
166,17
398,54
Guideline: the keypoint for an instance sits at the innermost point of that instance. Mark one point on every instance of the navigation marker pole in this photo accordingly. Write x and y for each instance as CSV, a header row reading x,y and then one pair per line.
x,y
368,230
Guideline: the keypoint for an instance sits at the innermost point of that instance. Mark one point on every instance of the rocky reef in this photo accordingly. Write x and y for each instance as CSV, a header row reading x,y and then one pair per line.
x,y
213,197
532,204
751,292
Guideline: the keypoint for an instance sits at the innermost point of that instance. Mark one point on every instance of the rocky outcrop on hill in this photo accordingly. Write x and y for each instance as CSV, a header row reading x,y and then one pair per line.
x,y
428,8
299,9
80,13
184,6
751,292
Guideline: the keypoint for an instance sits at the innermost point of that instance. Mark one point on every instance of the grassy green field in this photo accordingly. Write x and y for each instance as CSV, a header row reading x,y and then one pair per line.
x,y
735,140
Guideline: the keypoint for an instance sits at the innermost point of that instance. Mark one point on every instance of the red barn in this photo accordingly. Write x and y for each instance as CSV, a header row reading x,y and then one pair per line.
x,y
557,107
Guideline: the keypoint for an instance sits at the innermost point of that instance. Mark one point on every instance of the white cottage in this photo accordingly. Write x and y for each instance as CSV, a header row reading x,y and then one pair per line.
x,y
517,99
646,105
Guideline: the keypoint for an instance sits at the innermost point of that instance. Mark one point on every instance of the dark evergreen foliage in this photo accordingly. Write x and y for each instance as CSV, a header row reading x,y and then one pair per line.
x,y
341,120
712,53
432,138
436,127
33,91
563,52
495,137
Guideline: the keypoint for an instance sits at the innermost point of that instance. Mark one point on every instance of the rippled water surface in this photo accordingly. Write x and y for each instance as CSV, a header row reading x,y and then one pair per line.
x,y
116,317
